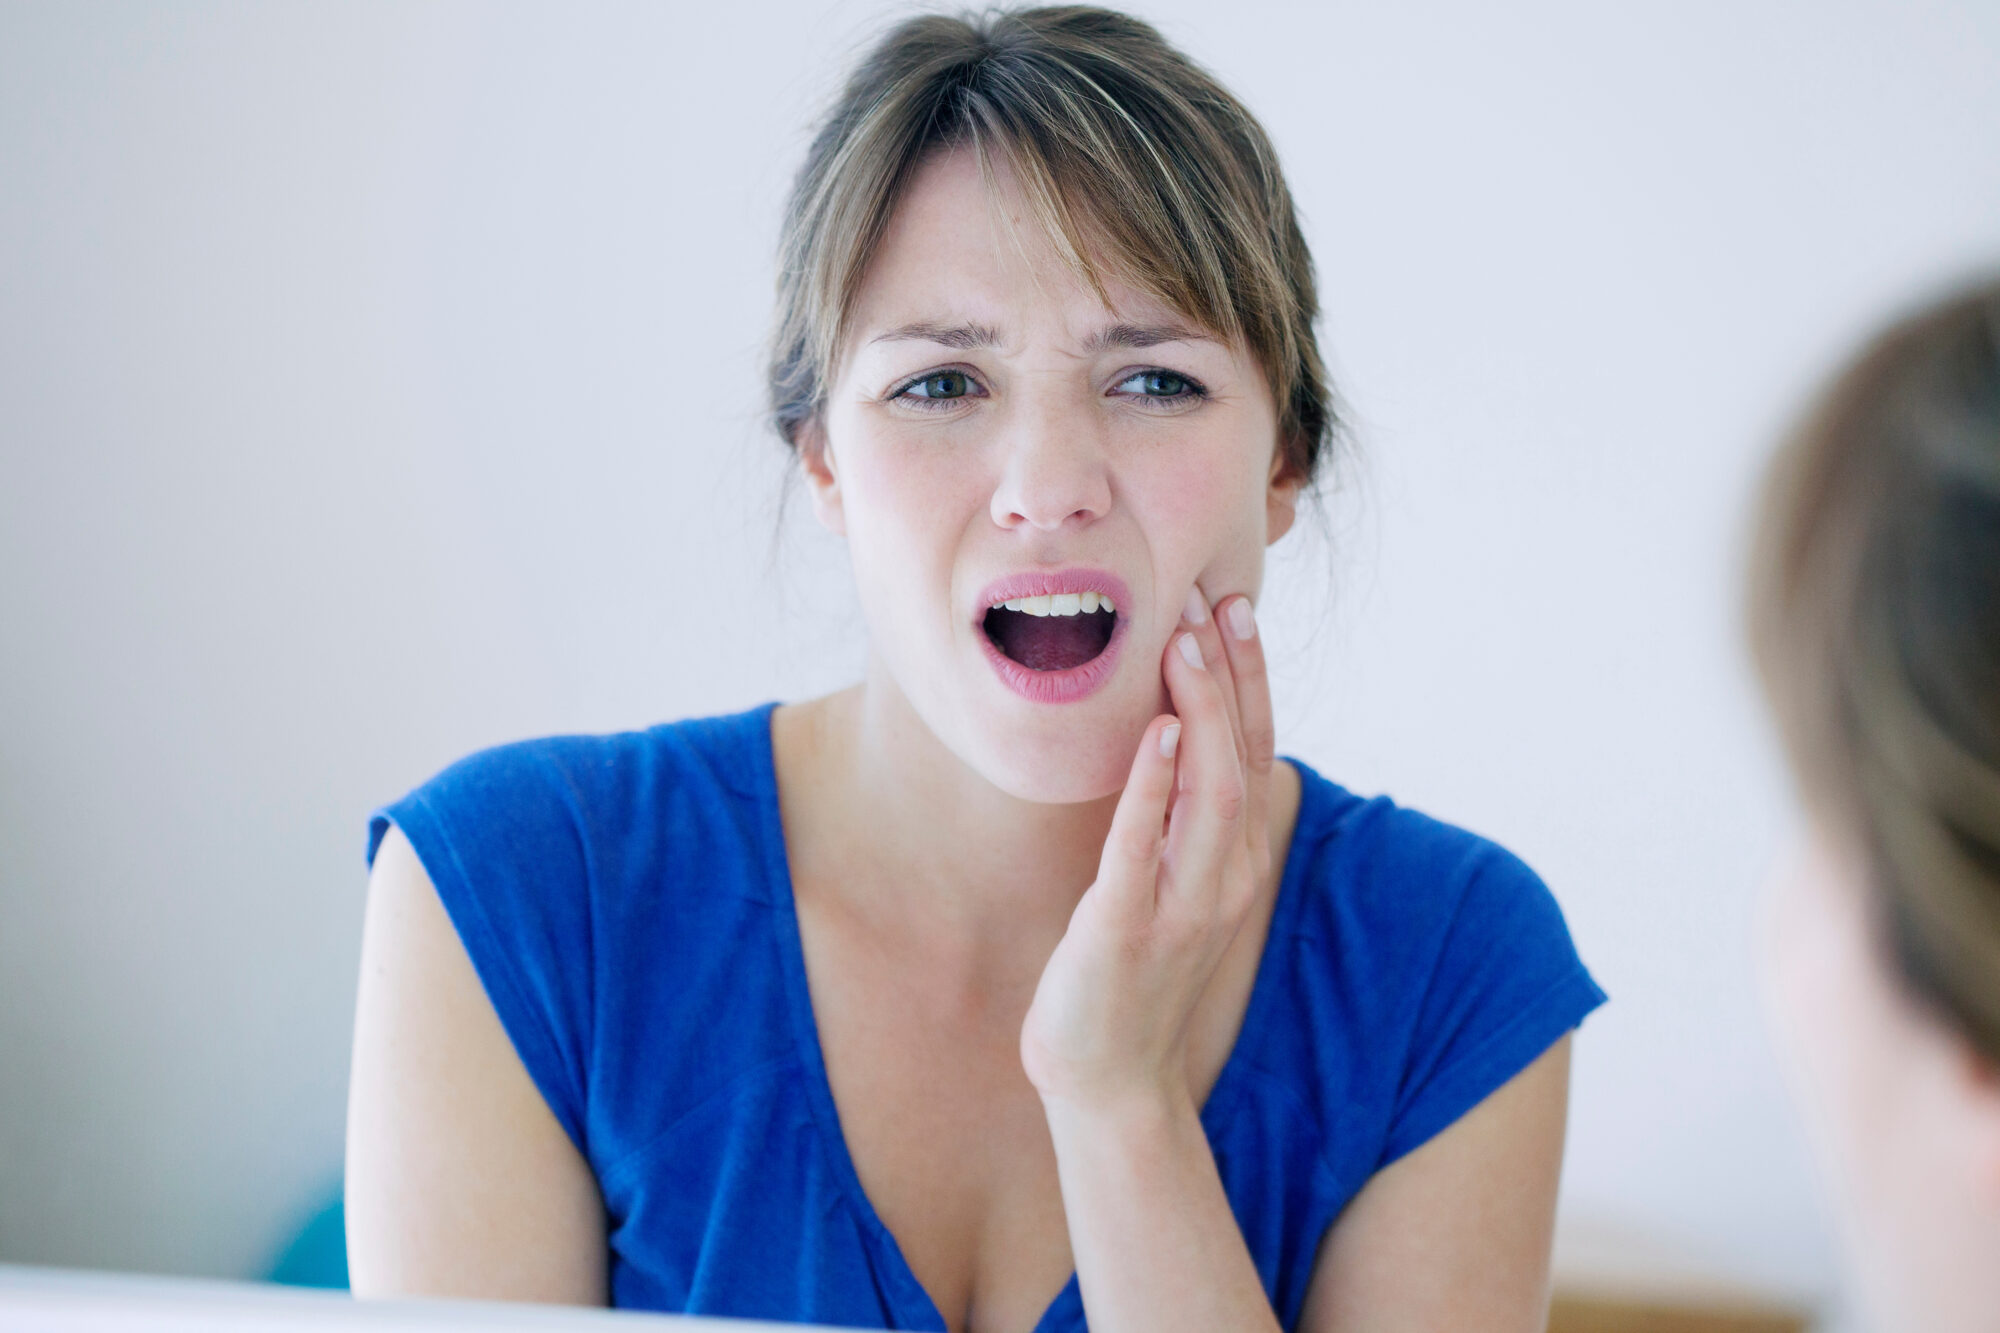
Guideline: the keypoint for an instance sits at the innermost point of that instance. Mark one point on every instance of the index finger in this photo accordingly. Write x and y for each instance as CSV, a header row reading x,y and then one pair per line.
x,y
1211,790
1245,647
1209,633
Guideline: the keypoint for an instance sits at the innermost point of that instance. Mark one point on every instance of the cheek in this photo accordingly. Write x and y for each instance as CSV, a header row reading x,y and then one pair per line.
x,y
1208,519
1819,992
905,506
906,514
1845,1033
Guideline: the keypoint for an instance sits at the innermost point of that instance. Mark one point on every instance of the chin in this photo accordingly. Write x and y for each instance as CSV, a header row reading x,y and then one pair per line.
x,y
1046,753
1077,755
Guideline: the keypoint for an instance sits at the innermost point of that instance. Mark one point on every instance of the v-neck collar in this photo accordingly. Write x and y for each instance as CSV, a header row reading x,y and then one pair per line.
x,y
910,1303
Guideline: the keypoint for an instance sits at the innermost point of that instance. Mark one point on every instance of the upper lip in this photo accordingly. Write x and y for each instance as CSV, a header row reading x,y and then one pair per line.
x,y
1040,582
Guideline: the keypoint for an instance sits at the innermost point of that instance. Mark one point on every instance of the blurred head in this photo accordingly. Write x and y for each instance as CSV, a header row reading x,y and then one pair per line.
x,y
1875,619
1045,331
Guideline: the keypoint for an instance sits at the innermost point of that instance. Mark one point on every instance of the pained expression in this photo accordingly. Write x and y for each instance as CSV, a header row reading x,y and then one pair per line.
x,y
991,417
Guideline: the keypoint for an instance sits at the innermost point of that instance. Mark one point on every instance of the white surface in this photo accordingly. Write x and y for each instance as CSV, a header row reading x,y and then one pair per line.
x,y
40,1300
380,381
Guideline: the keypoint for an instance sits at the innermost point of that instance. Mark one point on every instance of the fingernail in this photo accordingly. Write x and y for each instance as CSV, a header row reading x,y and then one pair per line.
x,y
1196,610
1170,740
1191,652
1241,624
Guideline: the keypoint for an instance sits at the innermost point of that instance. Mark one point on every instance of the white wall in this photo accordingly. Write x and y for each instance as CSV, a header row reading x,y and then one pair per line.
x,y
380,382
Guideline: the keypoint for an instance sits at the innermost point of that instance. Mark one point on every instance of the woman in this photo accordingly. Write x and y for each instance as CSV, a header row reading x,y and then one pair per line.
x,y
1875,616
1019,980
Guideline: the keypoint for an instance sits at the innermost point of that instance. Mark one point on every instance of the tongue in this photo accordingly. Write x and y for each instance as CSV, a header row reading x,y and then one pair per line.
x,y
1048,643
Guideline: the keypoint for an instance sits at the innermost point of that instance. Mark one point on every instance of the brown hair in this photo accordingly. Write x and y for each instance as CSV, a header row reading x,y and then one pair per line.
x,y
1875,619
1132,158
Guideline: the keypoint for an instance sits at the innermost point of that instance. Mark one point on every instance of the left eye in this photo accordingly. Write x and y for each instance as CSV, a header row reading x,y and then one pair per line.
x,y
1159,384
942,384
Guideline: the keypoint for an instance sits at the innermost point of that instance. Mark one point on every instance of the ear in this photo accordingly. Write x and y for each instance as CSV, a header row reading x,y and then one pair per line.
x,y
1281,496
1978,1079
816,461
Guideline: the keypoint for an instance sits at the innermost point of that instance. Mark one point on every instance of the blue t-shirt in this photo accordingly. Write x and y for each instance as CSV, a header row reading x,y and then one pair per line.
x,y
627,905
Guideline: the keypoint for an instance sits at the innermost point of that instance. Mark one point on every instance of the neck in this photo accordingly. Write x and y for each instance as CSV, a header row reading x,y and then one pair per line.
x,y
934,840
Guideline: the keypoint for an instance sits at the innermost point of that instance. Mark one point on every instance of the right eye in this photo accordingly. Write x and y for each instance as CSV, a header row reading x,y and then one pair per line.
x,y
938,388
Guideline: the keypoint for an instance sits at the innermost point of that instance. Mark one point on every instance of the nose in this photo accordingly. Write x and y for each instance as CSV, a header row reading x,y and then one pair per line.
x,y
1054,473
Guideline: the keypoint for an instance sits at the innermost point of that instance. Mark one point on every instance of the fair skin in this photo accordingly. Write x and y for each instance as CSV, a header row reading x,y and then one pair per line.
x,y
1031,910
1903,1110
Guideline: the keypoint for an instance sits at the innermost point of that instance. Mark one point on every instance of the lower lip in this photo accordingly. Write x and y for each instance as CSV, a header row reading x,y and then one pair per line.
x,y
1055,687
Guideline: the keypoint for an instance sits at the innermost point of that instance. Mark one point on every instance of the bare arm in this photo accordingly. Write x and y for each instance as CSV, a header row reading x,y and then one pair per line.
x,y
1457,1234
460,1180
1453,1238
1156,1244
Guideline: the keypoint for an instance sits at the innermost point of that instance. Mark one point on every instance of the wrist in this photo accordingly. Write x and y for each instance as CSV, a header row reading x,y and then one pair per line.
x,y
1131,1115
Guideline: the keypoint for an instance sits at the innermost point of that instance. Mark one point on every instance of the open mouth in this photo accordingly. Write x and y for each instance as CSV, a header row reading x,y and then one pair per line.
x,y
1055,632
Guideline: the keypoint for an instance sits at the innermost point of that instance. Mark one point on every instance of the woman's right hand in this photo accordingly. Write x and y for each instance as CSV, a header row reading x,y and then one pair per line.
x,y
1187,852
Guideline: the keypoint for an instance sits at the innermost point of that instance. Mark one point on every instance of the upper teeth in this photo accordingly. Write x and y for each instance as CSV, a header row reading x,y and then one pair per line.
x,y
1061,603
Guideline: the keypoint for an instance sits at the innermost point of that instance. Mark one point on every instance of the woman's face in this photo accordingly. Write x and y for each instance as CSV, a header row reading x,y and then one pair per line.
x,y
994,432
1903,1113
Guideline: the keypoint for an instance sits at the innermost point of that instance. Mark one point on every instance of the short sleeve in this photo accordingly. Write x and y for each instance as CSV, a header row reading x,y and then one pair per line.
x,y
1506,985
500,837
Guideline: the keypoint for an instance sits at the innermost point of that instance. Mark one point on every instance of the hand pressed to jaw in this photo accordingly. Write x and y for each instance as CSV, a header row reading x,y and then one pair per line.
x,y
1184,861
1234,653
1207,632
1204,870
1256,729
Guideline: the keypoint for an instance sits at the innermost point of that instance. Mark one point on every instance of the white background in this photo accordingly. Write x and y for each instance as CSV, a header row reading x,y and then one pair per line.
x,y
380,382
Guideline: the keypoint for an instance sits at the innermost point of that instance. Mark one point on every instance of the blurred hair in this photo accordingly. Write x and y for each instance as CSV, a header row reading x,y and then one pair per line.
x,y
1875,620
1132,158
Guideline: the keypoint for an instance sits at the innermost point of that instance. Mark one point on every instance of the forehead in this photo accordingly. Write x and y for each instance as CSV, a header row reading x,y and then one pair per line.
x,y
963,248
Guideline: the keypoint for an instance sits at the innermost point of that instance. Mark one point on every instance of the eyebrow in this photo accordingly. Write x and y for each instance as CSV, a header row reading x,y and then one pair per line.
x,y
961,336
1146,335
965,336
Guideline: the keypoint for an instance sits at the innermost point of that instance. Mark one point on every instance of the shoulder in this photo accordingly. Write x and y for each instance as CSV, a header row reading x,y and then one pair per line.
x,y
587,876
553,855
1373,865
434,1078
543,798
1432,955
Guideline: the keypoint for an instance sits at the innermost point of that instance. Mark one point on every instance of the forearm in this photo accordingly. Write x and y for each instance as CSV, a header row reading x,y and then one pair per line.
x,y
1155,1243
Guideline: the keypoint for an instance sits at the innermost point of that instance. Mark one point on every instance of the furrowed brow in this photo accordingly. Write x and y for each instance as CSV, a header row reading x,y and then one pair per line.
x,y
960,336
1145,335
966,336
